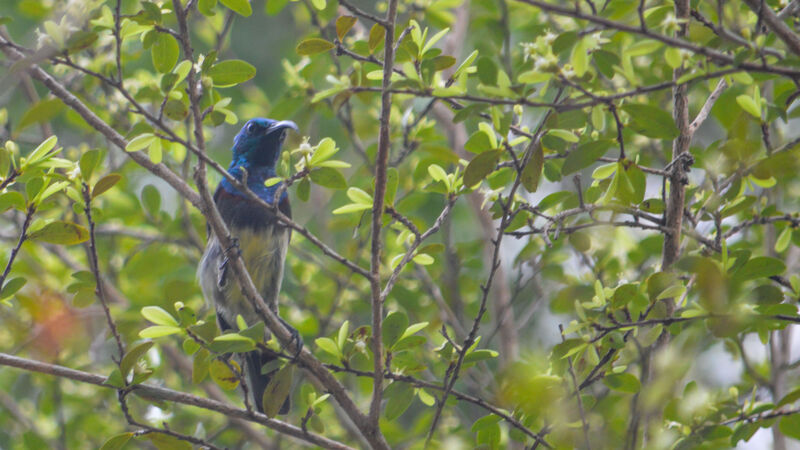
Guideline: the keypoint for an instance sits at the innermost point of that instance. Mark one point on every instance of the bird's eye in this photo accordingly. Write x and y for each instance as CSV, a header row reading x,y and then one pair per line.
x,y
252,127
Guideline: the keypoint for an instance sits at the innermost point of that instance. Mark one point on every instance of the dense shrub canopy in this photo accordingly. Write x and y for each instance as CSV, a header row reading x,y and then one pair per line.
x,y
556,224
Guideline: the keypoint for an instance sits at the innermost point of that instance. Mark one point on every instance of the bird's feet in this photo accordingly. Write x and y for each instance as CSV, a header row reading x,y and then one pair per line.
x,y
296,338
223,266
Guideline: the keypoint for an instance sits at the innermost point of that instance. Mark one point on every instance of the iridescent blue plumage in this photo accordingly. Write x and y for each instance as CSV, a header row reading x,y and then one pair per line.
x,y
262,240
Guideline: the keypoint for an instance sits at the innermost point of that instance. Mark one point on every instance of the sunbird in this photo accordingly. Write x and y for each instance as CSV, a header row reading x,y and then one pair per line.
x,y
262,241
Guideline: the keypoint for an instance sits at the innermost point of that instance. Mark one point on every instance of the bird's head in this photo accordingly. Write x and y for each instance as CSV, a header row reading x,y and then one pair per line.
x,y
259,141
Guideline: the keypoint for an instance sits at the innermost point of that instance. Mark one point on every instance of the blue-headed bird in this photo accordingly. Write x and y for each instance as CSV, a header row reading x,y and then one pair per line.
x,y
261,239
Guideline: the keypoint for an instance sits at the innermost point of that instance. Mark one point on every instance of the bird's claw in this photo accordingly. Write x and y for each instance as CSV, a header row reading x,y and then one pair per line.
x,y
223,266
234,245
296,338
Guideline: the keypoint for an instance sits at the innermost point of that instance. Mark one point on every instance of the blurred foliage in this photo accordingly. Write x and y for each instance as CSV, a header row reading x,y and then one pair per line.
x,y
554,127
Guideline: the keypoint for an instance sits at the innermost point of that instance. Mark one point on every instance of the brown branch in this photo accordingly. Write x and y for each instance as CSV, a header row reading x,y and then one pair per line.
x,y
270,318
148,391
495,264
706,109
160,170
677,41
381,164
23,235
94,266
673,216
786,34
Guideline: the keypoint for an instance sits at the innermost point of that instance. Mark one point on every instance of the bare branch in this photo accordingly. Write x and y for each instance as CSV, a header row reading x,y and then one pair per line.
x,y
381,165
169,395
786,34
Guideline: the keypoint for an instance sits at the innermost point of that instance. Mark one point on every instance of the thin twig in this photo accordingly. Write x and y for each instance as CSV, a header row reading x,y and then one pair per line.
x,y
148,391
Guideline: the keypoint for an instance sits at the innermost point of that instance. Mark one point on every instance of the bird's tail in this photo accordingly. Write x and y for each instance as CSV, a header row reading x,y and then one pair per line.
x,y
257,382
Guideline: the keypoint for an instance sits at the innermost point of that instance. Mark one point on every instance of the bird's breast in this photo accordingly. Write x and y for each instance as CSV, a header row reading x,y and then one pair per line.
x,y
263,251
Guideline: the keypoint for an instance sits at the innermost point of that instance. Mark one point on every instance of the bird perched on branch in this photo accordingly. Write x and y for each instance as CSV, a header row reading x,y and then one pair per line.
x,y
262,241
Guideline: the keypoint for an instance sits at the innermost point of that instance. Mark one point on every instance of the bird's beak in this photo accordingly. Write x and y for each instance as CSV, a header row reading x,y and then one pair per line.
x,y
283,124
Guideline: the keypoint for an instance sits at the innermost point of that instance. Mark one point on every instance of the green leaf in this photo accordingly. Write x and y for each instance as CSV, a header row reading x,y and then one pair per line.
x,y
12,199
414,328
423,259
782,243
564,135
327,345
398,397
485,422
303,189
163,441
329,178
343,25
232,343
313,46
132,356
200,365
479,142
623,382
480,355
41,151
464,65
481,166
584,156
222,374
604,171
642,47
241,7
789,398
277,391
359,196
105,183
749,105
394,325
154,152
206,7
673,57
159,316
11,287
273,7
352,207
442,62
760,267
433,40
408,342
140,142
392,181
176,109
157,331
437,173
376,35
790,425
88,162
341,338
151,200
580,58
651,121
487,71
115,379
43,111
61,232
165,52
117,442
231,72
325,149
532,172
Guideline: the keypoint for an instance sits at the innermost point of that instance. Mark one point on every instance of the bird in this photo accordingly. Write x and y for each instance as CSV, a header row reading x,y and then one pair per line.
x,y
261,239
